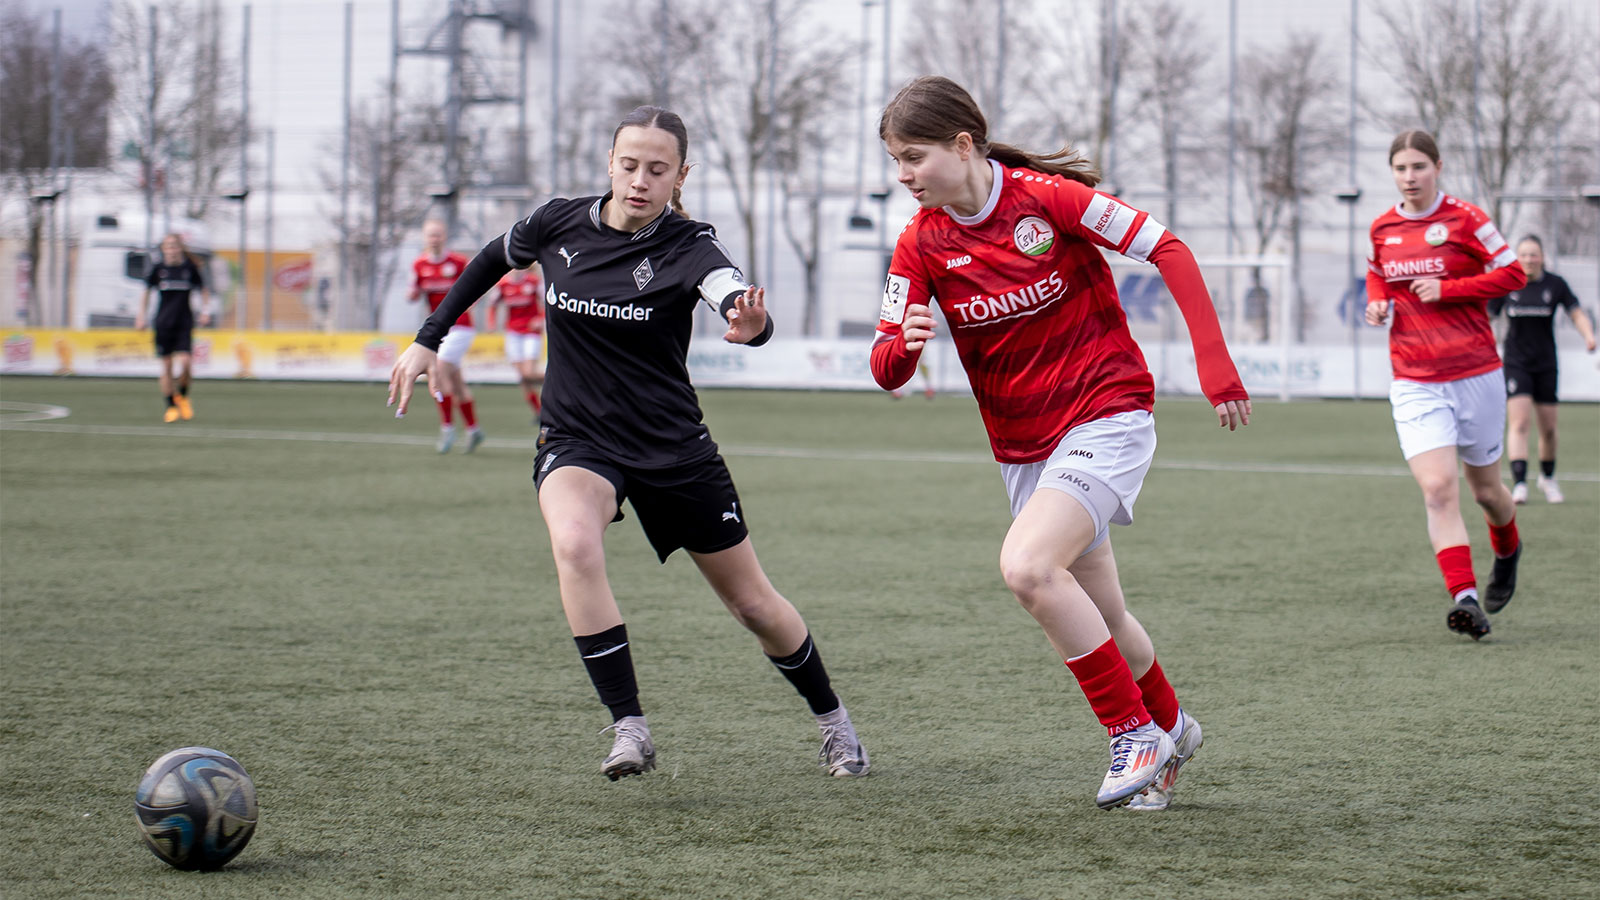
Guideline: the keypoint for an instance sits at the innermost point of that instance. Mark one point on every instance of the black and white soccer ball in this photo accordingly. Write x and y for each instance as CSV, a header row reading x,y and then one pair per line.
x,y
196,808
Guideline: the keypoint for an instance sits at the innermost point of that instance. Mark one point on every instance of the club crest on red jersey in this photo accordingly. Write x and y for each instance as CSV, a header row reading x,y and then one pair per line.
x,y
1436,234
1033,236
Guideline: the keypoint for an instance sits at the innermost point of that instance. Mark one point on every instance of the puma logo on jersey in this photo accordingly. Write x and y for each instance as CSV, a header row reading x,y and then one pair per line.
x,y
1394,240
957,262
733,516
569,257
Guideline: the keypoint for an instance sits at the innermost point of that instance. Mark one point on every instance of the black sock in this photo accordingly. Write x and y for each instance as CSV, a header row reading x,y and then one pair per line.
x,y
183,389
804,670
1519,471
170,401
1548,467
610,667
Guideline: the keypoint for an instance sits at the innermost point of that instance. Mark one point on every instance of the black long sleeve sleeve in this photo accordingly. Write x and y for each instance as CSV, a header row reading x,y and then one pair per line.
x,y
483,273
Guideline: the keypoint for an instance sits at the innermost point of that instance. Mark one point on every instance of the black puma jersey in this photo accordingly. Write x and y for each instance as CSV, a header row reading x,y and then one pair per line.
x,y
619,311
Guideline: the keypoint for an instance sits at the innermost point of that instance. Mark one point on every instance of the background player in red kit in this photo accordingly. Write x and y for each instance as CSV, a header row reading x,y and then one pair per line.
x,y
1434,263
1008,244
519,292
432,275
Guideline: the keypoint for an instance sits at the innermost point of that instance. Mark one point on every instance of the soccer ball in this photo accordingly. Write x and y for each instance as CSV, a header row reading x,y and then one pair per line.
x,y
196,808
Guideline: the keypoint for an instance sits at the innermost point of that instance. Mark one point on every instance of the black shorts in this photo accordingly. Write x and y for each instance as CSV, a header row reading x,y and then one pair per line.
x,y
1541,384
174,337
693,506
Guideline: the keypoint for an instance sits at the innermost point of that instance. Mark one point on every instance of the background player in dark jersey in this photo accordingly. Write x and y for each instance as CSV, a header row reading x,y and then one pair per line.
x,y
1008,243
1433,264
175,276
1529,352
620,420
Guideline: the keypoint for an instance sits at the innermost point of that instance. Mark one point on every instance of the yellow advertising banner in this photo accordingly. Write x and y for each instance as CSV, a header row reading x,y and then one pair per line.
x,y
274,355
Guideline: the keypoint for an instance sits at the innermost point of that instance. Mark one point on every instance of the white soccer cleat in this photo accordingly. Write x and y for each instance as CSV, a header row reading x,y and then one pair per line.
x,y
632,753
1519,493
1551,490
842,754
474,439
1138,758
1158,796
447,439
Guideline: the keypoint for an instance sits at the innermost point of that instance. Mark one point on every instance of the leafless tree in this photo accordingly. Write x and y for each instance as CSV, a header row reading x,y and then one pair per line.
x,y
391,168
745,90
26,108
1522,53
1041,79
1288,131
176,108
1166,63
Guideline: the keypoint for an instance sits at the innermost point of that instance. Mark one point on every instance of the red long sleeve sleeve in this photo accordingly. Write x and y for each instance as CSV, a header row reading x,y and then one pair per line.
x,y
1219,379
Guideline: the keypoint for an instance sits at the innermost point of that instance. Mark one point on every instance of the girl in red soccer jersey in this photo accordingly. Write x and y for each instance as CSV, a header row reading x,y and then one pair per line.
x,y
1009,243
432,275
1434,264
519,293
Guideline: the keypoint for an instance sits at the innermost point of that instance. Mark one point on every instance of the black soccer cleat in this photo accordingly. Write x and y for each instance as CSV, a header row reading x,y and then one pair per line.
x,y
1468,618
1502,581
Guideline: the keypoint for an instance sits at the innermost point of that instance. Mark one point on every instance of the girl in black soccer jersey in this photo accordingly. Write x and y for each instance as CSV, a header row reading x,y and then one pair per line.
x,y
1529,352
175,276
623,276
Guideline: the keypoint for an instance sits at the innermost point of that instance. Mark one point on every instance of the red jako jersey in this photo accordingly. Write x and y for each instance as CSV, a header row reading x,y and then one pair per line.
x,y
1456,243
434,278
524,311
1032,308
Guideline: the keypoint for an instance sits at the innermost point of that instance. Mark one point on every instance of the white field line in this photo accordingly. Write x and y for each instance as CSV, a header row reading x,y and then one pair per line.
x,y
9,423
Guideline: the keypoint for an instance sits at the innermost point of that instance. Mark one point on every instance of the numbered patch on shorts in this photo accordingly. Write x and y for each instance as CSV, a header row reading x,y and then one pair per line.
x,y
894,299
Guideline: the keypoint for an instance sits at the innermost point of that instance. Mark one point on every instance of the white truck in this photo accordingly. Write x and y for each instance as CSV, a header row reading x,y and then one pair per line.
x,y
113,259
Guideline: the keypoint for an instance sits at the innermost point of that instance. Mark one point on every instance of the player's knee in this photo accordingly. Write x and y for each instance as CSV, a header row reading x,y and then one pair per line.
x,y
755,609
577,548
1028,574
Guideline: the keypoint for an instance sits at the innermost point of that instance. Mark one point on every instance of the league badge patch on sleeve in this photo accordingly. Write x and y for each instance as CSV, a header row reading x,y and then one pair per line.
x,y
894,299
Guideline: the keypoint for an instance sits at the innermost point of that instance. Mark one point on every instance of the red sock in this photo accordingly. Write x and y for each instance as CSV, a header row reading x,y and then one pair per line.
x,y
1456,564
446,407
1159,697
1503,538
533,400
466,413
1103,674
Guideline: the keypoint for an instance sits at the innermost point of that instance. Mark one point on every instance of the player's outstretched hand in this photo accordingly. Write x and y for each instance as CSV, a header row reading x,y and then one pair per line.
x,y
415,362
1232,414
1378,311
918,327
748,318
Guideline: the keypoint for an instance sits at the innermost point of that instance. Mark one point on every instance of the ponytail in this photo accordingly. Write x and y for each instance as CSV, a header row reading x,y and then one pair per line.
x,y
677,202
1066,162
934,110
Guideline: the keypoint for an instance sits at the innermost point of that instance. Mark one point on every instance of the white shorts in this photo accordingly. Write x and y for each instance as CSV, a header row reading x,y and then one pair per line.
x,y
453,349
1468,414
1101,464
522,345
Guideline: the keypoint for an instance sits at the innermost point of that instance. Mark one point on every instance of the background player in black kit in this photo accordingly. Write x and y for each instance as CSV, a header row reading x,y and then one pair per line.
x,y
175,275
1529,352
623,277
